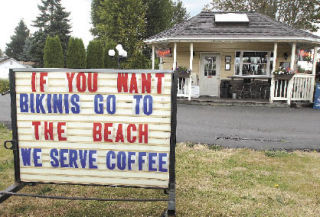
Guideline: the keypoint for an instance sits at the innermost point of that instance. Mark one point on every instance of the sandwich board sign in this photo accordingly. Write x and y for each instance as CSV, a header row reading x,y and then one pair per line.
x,y
94,127
316,104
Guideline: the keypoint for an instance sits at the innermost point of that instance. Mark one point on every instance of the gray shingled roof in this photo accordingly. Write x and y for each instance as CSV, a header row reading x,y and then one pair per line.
x,y
260,27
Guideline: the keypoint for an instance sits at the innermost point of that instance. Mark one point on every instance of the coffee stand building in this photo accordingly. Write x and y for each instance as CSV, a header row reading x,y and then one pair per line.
x,y
240,52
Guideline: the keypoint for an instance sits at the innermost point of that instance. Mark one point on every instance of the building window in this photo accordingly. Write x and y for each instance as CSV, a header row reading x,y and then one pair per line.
x,y
253,62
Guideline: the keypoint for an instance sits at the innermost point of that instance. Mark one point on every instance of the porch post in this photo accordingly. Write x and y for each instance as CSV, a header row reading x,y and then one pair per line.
x,y
152,57
293,56
292,67
190,78
315,57
174,57
275,55
314,67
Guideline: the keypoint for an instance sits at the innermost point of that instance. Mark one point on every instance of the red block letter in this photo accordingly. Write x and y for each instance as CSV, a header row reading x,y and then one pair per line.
x,y
96,132
122,82
146,83
43,81
131,127
107,132
70,77
119,136
133,83
159,85
36,125
61,131
33,81
93,83
143,133
48,130
81,82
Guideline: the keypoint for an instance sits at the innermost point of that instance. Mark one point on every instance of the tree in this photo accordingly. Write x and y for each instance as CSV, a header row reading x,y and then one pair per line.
x,y
122,22
301,14
95,55
110,62
128,22
179,13
1,53
26,54
14,49
53,20
76,54
53,54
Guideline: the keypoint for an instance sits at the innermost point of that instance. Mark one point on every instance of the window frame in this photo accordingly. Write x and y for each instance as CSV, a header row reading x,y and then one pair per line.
x,y
269,53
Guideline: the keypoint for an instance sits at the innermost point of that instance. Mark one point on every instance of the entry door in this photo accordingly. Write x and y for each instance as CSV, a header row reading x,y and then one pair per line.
x,y
210,75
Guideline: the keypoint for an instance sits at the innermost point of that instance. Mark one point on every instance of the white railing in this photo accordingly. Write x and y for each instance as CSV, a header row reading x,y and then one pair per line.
x,y
299,88
184,87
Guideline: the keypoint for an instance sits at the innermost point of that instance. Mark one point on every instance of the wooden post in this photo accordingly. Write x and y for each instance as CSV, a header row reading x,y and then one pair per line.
x,y
289,91
174,57
314,67
275,55
315,57
293,56
152,56
190,78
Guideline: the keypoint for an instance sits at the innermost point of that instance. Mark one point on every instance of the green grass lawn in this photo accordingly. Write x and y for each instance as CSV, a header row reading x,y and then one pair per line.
x,y
210,182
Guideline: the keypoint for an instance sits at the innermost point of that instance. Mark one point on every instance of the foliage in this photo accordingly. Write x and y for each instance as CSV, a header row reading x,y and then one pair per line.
x,y
128,22
53,54
95,55
53,20
163,14
14,49
283,71
110,62
1,53
301,14
122,22
226,182
138,61
179,13
26,54
76,54
4,85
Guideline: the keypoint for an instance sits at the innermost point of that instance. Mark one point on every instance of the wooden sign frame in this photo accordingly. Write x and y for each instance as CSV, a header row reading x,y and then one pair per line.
x,y
14,143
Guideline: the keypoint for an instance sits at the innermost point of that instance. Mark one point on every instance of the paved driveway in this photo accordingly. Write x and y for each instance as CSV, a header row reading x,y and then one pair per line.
x,y
252,127
238,126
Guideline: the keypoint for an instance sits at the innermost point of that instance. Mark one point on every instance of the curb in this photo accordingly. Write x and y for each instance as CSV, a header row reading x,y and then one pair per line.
x,y
236,103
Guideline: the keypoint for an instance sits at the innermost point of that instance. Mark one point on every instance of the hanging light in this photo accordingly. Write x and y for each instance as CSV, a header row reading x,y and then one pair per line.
x,y
111,52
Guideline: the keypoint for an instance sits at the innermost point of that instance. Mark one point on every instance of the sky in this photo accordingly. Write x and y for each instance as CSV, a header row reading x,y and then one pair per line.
x,y
12,11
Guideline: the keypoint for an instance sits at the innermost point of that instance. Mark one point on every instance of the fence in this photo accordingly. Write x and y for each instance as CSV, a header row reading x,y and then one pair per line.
x,y
299,88
184,87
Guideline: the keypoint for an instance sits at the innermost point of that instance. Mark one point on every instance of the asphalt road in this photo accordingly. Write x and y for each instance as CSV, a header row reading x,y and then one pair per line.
x,y
250,127
238,126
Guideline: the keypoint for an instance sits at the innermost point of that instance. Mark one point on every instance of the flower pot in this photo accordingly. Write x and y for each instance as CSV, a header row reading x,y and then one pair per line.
x,y
283,76
183,74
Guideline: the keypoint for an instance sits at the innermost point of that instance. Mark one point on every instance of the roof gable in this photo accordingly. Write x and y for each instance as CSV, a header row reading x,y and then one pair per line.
x,y
203,26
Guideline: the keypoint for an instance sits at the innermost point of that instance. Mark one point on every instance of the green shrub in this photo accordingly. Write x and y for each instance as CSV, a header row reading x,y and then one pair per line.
x,y
76,54
53,53
95,55
4,85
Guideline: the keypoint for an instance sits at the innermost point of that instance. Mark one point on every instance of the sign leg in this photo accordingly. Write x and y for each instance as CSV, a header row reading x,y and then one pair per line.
x,y
13,188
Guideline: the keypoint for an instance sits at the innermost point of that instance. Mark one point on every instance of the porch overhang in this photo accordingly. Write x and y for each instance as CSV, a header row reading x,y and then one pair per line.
x,y
308,40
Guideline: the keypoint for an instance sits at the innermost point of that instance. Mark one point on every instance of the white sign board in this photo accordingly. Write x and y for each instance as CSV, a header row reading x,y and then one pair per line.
x,y
104,128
